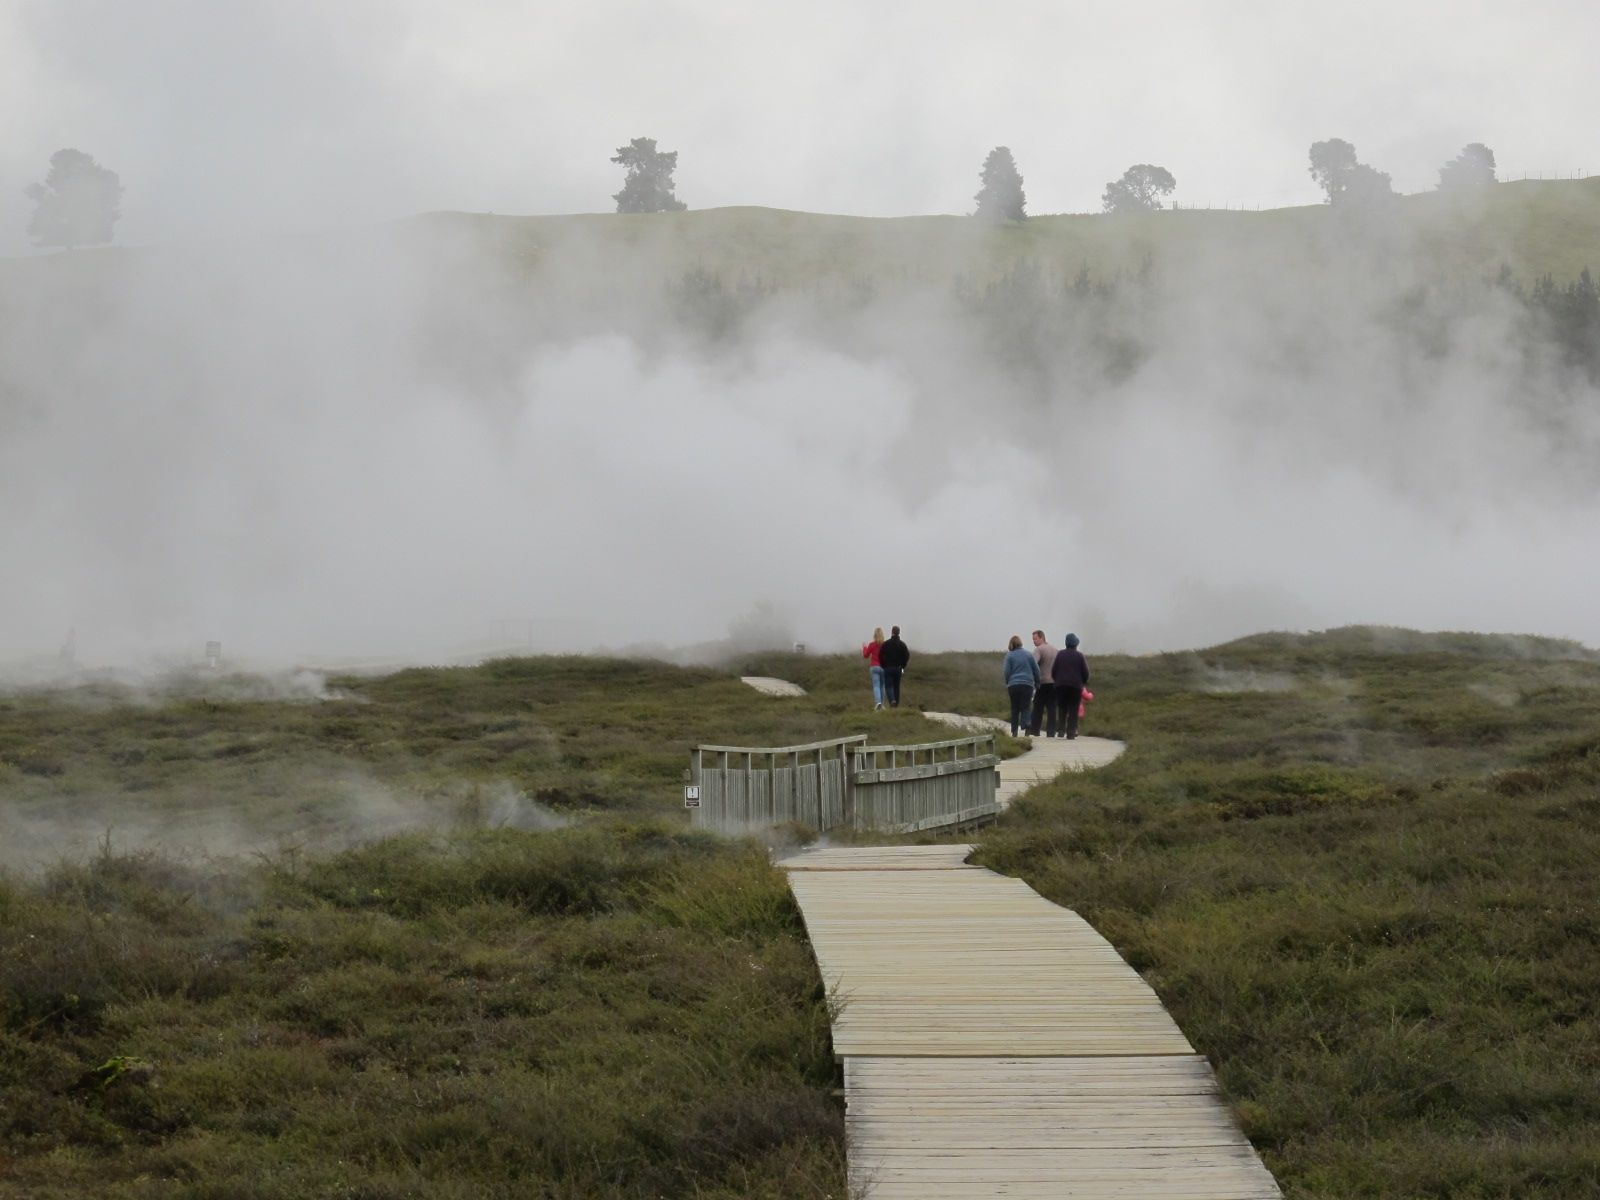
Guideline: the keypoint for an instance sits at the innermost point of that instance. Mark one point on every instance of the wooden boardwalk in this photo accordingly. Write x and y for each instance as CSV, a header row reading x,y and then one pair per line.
x,y
1048,758
995,1045
768,686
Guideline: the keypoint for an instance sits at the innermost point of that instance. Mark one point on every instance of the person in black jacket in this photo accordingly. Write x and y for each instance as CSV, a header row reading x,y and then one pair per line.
x,y
1070,674
893,658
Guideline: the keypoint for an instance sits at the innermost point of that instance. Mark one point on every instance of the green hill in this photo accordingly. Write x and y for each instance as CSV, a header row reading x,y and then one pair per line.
x,y
1534,227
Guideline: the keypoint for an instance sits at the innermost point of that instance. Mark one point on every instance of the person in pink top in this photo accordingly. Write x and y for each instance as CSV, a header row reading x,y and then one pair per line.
x,y
870,651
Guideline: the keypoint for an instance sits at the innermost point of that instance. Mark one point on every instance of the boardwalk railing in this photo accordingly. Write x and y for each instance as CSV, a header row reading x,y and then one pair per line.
x,y
903,789
844,783
752,787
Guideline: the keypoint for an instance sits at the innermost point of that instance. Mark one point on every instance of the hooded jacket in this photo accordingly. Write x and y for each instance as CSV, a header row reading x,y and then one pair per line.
x,y
1070,669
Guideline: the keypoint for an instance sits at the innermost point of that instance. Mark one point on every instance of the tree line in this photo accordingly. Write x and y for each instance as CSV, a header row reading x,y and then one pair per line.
x,y
78,203
1143,187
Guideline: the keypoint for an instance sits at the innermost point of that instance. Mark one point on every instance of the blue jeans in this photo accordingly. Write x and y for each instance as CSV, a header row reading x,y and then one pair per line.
x,y
891,685
877,685
1021,694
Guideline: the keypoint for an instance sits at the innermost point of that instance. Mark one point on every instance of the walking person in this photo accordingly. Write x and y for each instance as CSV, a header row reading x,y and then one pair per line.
x,y
870,651
893,657
1070,673
1021,674
1045,710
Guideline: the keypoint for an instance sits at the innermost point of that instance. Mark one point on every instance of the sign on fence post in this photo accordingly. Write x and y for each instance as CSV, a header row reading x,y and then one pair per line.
x,y
691,795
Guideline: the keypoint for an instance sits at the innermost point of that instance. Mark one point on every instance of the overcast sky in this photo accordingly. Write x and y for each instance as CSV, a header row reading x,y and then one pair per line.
x,y
228,116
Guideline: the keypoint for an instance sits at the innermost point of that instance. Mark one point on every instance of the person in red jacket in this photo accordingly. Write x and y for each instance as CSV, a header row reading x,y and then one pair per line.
x,y
1070,674
870,651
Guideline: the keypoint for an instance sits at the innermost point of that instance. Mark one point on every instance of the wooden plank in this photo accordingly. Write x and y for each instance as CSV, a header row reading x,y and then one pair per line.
x,y
994,1044
892,858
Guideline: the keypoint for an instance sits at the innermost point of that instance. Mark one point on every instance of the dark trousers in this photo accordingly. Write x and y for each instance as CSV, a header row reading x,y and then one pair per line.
x,y
891,686
1069,698
1044,710
1020,694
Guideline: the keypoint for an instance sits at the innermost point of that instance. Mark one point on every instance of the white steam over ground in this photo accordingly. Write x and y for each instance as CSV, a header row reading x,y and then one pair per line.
x,y
312,806
389,446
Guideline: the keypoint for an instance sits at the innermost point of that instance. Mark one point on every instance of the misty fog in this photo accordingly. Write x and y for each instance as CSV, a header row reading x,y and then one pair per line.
x,y
415,441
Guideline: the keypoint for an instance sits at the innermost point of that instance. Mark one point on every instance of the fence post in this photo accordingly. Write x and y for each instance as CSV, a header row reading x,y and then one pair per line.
x,y
847,815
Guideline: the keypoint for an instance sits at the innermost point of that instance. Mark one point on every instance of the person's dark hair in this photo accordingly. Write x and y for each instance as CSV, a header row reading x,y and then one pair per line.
x,y
1071,640
894,631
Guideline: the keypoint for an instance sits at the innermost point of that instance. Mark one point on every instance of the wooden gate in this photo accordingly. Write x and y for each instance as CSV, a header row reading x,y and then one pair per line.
x,y
844,783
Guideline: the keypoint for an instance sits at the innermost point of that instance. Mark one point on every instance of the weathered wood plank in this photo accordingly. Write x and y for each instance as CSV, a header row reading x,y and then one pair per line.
x,y
994,1044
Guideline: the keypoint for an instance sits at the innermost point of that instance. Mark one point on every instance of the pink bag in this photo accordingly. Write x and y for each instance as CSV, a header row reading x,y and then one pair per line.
x,y
1084,703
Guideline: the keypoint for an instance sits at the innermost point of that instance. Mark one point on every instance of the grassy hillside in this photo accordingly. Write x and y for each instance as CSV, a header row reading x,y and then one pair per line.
x,y
1360,870
1358,866
1534,227
551,987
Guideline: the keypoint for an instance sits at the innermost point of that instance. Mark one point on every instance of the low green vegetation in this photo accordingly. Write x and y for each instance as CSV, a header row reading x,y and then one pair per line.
x,y
1360,869
450,937
620,1009
476,951
1533,227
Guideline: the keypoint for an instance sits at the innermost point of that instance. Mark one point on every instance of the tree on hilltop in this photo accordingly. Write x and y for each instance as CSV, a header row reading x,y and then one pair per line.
x,y
1139,190
648,186
77,204
1473,167
1345,179
1001,197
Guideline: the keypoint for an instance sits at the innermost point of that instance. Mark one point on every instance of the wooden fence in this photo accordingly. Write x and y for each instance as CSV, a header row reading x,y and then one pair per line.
x,y
902,789
754,787
844,783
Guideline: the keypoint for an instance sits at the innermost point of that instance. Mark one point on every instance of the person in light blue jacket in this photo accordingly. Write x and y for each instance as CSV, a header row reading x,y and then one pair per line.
x,y
1021,672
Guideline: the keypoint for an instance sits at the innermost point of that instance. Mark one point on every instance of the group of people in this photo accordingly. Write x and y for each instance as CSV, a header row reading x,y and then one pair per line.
x,y
1047,687
887,660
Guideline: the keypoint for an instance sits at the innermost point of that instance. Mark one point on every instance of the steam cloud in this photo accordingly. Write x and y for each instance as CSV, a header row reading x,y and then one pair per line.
x,y
385,445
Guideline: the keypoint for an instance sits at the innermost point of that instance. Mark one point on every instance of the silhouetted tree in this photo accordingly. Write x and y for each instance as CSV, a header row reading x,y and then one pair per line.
x,y
1139,190
1473,167
1001,197
77,204
1366,185
648,187
1346,180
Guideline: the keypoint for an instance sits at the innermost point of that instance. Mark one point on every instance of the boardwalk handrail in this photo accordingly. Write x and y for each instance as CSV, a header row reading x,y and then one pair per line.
x,y
859,737
925,785
944,745
843,782
749,787
938,758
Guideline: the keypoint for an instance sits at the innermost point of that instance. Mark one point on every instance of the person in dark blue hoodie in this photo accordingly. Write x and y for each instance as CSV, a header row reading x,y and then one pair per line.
x,y
1070,674
1021,673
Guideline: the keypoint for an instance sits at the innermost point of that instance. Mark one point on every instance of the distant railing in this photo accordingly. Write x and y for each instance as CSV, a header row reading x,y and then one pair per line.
x,y
844,783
